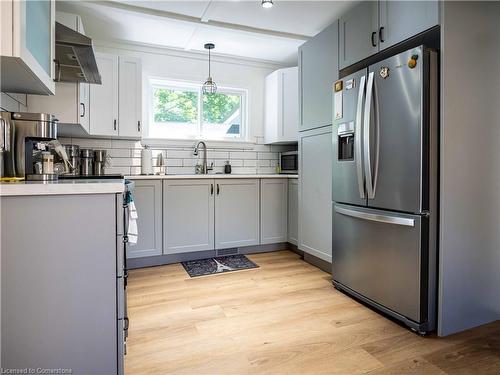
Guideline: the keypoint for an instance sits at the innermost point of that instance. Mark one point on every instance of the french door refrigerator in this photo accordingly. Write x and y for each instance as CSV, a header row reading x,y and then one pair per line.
x,y
385,186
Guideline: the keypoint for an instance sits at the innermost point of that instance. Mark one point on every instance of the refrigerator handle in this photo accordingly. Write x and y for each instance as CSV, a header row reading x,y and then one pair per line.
x,y
386,219
357,138
366,137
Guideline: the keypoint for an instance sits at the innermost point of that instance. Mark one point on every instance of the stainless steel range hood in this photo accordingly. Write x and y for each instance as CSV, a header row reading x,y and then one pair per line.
x,y
75,58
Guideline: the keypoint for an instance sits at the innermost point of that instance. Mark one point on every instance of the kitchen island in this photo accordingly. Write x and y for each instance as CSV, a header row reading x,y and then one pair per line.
x,y
62,294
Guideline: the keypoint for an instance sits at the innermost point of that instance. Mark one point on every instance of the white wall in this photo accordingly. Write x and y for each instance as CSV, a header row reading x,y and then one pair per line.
x,y
469,285
183,65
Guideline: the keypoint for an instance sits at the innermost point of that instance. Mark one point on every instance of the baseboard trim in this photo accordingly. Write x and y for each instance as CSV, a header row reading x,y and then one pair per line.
x,y
160,260
320,263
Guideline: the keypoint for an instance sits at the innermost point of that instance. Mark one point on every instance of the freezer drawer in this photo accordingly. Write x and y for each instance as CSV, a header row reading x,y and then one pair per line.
x,y
379,255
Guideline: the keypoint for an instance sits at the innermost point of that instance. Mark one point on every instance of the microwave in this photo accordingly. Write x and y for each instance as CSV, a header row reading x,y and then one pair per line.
x,y
289,162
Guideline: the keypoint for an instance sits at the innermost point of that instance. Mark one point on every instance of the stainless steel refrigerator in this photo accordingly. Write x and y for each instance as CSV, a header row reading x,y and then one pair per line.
x,y
385,180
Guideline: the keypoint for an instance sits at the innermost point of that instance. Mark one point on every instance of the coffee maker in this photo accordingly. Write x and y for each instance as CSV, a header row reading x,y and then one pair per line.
x,y
26,145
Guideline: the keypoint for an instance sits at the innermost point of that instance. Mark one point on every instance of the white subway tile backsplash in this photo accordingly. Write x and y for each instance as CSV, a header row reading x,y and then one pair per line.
x,y
250,163
243,155
180,154
126,156
268,155
120,153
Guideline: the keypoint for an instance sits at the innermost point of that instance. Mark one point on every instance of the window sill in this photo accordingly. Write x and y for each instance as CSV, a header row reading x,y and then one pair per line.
x,y
183,142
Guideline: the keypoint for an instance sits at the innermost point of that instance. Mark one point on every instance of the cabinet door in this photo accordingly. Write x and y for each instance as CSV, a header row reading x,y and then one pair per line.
x,y
271,110
84,105
293,210
147,200
130,89
273,210
318,69
315,184
289,110
104,98
188,220
400,20
358,33
27,46
236,213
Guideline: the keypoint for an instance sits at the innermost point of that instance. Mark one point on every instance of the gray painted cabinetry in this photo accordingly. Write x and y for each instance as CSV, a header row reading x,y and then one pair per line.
x,y
293,211
315,189
236,213
372,26
273,210
318,70
148,202
188,215
60,304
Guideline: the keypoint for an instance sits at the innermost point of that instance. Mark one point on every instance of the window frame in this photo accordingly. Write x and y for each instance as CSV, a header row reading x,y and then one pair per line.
x,y
171,84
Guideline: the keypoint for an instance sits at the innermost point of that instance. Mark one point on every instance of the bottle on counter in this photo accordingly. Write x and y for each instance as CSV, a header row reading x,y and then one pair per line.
x,y
227,167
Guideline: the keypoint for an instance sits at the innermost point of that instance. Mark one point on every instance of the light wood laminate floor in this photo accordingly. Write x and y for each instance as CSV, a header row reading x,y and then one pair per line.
x,y
282,318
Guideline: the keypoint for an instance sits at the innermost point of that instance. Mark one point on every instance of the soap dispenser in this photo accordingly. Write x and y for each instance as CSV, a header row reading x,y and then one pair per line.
x,y
227,167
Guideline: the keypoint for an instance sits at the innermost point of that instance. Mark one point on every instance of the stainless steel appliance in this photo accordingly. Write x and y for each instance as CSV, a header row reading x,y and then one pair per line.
x,y
385,186
100,162
289,162
73,152
86,162
26,138
75,57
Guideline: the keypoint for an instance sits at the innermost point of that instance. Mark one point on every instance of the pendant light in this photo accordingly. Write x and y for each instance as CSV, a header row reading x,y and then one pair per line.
x,y
267,3
209,87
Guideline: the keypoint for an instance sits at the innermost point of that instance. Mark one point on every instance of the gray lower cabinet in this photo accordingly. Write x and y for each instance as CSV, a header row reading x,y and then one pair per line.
x,y
236,213
148,202
318,70
188,215
293,211
273,210
315,184
59,283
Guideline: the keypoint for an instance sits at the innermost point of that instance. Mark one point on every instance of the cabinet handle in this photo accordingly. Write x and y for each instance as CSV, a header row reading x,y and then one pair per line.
x,y
218,190
211,189
83,109
139,126
374,34
114,124
380,34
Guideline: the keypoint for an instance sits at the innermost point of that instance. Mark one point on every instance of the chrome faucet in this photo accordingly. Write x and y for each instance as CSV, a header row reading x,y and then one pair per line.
x,y
204,168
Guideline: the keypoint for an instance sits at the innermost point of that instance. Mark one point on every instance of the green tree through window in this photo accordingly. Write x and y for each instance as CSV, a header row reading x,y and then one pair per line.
x,y
219,107
175,106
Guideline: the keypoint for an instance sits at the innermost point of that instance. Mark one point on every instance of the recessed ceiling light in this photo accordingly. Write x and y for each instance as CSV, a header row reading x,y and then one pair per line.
x,y
267,3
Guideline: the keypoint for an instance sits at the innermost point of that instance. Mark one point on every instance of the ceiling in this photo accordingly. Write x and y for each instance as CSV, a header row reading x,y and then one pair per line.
x,y
238,28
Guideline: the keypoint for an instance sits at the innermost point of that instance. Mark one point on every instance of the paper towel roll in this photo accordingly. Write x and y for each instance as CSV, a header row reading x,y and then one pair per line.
x,y
146,161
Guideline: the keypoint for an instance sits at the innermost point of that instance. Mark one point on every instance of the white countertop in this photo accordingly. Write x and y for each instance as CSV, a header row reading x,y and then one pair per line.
x,y
62,187
209,176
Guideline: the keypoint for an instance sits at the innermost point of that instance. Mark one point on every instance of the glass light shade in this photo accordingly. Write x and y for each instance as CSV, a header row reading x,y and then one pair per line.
x,y
209,87
267,3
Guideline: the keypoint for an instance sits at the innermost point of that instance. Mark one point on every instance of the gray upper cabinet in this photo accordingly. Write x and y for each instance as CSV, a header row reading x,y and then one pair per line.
x,y
315,191
318,69
236,212
400,20
273,210
358,33
293,210
147,200
188,221
372,26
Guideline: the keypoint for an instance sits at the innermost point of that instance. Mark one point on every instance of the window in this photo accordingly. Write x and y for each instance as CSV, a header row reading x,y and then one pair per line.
x,y
180,110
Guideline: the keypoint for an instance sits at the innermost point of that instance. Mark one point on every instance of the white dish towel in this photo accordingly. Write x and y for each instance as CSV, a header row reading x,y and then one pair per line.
x,y
132,224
